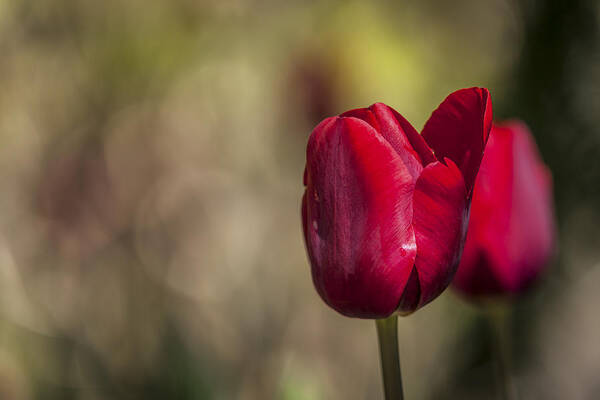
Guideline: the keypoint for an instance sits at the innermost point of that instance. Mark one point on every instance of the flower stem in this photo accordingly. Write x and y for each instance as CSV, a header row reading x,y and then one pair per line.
x,y
387,332
499,320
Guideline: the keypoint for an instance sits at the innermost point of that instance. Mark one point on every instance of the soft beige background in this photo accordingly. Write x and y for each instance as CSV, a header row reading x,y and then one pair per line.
x,y
151,157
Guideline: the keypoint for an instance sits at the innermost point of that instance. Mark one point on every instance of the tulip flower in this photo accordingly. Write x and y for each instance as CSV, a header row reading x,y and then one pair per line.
x,y
510,237
511,232
385,209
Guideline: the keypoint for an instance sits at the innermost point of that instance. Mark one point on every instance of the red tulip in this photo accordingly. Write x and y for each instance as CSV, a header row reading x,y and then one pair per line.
x,y
385,209
511,232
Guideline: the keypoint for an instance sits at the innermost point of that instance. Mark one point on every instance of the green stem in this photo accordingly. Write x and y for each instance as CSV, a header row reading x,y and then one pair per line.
x,y
499,319
387,332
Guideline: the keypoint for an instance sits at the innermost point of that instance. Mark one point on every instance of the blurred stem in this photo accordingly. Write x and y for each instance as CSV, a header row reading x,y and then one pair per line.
x,y
387,332
499,317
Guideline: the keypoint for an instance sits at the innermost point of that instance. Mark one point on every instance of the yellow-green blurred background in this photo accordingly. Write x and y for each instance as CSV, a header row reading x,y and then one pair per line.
x,y
151,158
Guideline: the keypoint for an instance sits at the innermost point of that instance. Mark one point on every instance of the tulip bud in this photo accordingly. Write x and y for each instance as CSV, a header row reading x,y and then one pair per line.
x,y
511,232
385,208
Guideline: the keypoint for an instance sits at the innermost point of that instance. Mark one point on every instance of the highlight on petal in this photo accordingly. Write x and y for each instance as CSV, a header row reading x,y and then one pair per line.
x,y
440,219
458,129
357,215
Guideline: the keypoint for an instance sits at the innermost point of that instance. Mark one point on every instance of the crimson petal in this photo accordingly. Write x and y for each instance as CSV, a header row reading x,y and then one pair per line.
x,y
357,214
459,128
395,132
416,140
440,220
512,192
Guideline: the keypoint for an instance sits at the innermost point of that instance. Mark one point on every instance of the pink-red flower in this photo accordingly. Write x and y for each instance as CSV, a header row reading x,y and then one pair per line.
x,y
385,208
511,232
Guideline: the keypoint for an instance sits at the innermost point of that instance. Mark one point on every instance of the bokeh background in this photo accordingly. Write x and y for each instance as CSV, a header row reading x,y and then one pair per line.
x,y
151,158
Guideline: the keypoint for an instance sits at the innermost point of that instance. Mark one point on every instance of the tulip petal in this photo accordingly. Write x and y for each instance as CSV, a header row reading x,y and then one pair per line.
x,y
416,140
513,233
532,207
440,220
458,129
399,133
316,137
357,214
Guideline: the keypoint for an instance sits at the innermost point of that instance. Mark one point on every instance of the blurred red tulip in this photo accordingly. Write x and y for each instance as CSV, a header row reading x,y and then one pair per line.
x,y
385,209
511,232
